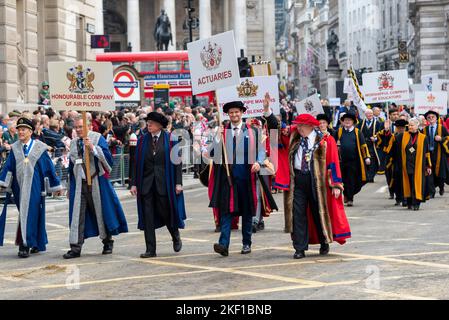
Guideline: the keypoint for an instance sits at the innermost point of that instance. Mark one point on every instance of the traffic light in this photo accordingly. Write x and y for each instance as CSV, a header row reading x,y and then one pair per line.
x,y
403,52
244,68
100,42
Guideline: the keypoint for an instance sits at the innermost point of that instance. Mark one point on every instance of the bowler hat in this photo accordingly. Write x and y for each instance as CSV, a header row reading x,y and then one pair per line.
x,y
158,117
234,104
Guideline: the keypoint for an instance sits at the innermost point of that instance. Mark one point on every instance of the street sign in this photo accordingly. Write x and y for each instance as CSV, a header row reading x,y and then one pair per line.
x,y
161,95
100,42
128,88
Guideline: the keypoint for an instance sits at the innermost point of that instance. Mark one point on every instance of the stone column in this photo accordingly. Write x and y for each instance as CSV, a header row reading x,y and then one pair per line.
x,y
170,9
240,30
133,21
333,75
205,19
226,7
269,33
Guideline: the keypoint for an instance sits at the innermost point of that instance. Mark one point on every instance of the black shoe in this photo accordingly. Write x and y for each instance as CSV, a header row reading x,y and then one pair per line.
x,y
71,255
254,227
217,229
177,244
409,207
34,250
24,252
404,204
261,226
107,248
432,196
147,255
299,255
350,204
246,249
324,249
416,207
218,248
391,196
441,191
398,203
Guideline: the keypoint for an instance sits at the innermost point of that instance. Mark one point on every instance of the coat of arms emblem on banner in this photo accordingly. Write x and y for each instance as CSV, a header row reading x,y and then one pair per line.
x,y
211,56
247,89
385,81
308,105
81,79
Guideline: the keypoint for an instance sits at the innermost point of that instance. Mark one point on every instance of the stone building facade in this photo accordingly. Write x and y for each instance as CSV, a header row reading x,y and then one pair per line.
x,y
34,32
430,20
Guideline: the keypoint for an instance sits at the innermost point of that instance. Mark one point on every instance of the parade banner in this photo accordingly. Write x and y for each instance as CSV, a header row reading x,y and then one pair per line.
x,y
213,63
435,100
428,81
334,102
311,105
441,85
386,86
251,91
81,86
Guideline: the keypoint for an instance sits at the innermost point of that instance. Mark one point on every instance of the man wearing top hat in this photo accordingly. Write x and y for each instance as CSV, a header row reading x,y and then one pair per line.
x,y
354,156
437,135
157,183
29,174
236,194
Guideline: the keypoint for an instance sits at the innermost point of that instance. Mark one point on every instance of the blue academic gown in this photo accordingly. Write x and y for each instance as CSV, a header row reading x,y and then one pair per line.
x,y
105,198
177,206
29,183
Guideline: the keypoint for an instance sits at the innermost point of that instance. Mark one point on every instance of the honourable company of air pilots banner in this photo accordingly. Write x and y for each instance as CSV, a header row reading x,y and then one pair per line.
x,y
81,86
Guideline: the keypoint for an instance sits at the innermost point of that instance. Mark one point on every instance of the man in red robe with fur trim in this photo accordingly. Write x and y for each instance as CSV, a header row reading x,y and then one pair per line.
x,y
315,200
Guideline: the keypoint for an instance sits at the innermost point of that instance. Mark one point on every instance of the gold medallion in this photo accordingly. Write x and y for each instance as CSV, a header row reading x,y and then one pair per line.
x,y
308,157
26,160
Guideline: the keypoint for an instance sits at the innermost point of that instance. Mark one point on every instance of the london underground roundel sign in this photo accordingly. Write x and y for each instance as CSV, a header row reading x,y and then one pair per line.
x,y
126,86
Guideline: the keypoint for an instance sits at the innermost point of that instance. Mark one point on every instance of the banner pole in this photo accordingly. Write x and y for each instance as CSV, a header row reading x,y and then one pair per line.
x,y
228,174
86,154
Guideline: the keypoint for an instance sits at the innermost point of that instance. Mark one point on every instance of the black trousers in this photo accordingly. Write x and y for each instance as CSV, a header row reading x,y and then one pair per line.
x,y
302,199
412,201
87,203
349,176
154,205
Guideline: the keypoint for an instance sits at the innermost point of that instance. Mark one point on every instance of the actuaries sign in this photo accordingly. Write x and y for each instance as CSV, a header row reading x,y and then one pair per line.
x,y
82,86
386,86
213,63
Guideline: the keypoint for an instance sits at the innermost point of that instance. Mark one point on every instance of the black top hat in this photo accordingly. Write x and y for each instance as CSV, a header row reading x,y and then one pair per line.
x,y
25,123
234,104
431,112
158,117
350,115
323,116
401,123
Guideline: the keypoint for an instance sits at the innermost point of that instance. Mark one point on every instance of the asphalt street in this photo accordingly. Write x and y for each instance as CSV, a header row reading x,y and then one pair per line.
x,y
394,253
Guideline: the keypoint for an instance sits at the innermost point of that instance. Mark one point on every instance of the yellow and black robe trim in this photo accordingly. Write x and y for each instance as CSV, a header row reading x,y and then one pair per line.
x,y
362,150
421,163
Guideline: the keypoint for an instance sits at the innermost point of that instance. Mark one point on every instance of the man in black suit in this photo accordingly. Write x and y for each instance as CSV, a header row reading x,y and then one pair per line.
x,y
156,198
